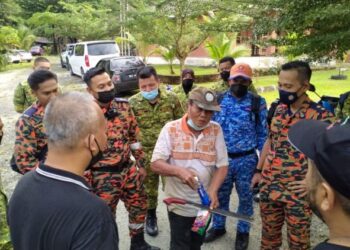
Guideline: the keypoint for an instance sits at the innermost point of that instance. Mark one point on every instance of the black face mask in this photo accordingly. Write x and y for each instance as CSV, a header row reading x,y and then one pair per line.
x,y
239,90
95,158
106,96
187,85
225,75
287,97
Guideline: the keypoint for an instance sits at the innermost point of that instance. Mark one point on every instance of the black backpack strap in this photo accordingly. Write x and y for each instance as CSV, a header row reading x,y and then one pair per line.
x,y
342,99
271,111
219,97
256,100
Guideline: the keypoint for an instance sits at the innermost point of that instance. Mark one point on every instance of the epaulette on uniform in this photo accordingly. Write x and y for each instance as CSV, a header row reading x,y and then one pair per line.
x,y
117,99
30,111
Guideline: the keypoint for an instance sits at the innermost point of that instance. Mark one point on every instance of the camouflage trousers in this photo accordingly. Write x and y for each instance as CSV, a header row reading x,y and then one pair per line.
x,y
298,218
240,174
5,242
151,181
127,187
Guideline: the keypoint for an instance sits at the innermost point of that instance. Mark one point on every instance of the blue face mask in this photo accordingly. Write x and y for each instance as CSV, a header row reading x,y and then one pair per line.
x,y
194,126
151,95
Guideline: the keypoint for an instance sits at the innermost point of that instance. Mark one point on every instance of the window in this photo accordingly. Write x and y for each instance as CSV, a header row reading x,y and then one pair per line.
x,y
97,49
126,63
79,50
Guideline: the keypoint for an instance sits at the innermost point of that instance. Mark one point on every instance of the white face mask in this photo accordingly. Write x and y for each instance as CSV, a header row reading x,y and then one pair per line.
x,y
194,126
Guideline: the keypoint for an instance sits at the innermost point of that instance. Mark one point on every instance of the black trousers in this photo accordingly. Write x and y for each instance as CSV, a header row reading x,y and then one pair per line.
x,y
182,238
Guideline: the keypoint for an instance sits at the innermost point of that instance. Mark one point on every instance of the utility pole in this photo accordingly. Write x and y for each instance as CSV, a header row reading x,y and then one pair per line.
x,y
125,45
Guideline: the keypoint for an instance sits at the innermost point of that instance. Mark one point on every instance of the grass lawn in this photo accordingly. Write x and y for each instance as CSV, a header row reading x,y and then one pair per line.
x,y
165,70
21,65
321,79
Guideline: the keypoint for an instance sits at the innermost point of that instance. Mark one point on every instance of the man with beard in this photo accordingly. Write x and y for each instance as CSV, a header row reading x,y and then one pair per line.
x,y
225,65
187,84
281,169
116,176
52,206
243,120
327,179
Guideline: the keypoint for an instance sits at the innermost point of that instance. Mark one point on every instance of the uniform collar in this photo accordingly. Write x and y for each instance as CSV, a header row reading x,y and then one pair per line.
x,y
62,175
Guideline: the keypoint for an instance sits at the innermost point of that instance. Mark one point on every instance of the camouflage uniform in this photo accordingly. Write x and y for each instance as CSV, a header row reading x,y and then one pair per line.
x,y
179,91
284,165
23,97
345,111
31,139
244,131
223,86
151,119
5,242
116,177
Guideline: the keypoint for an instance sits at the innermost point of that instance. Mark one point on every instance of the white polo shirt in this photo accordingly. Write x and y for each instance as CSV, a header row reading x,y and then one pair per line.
x,y
178,146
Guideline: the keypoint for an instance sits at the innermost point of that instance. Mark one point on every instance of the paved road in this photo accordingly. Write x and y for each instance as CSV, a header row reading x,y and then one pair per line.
x,y
8,81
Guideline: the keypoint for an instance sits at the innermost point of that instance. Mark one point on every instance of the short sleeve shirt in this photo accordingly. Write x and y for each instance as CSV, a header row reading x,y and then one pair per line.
x,y
284,163
179,147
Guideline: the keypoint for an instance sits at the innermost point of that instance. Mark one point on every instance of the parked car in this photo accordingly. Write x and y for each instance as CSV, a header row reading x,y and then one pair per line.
x,y
24,55
37,51
13,57
123,71
87,54
66,52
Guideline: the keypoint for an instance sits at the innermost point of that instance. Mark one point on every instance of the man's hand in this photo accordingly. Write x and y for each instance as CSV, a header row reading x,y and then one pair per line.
x,y
187,177
213,195
298,187
143,173
255,180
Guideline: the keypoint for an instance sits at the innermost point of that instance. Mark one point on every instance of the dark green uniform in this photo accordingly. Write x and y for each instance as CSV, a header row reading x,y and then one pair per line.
x,y
179,91
222,86
151,119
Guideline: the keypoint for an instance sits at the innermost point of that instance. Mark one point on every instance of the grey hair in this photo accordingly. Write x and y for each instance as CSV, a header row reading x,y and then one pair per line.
x,y
69,118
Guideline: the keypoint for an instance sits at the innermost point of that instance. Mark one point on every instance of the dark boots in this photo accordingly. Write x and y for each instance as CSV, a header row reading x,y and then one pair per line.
x,y
138,243
242,241
213,234
151,222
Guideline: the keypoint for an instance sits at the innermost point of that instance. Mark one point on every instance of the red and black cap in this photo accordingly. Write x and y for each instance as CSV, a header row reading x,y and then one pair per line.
x,y
328,145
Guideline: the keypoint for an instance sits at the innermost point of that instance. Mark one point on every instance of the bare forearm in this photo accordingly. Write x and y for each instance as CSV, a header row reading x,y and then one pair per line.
x,y
218,178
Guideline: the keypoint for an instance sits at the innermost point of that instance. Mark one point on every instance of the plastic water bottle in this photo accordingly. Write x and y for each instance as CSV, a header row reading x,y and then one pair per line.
x,y
203,193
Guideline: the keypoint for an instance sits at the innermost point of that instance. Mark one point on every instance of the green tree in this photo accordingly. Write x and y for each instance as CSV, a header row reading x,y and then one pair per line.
x,y
9,13
316,28
79,21
8,40
181,24
168,55
26,37
221,46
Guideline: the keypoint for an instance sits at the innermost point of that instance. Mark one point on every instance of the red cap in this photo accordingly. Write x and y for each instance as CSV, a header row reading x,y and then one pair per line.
x,y
241,69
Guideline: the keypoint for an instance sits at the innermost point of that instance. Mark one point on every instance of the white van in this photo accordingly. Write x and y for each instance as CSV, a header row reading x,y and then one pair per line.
x,y
86,55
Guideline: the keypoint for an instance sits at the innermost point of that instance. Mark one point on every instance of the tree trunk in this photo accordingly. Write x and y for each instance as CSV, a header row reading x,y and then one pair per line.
x,y
171,68
182,64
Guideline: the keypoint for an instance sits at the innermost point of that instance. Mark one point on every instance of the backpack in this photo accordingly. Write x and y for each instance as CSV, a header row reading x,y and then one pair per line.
x,y
255,107
342,99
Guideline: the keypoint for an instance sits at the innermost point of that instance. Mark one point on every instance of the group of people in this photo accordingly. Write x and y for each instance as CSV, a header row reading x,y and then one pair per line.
x,y
80,153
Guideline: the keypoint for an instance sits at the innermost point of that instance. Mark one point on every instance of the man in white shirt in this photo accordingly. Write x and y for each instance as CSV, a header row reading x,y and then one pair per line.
x,y
190,147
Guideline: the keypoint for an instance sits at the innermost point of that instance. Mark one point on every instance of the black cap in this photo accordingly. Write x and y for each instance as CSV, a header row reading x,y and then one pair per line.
x,y
328,145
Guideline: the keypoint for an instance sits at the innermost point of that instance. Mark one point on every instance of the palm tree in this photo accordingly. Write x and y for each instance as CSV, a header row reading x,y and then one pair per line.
x,y
143,48
221,46
26,37
168,55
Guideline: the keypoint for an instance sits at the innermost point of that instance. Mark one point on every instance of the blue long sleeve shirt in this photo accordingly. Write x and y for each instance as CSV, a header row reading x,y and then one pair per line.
x,y
242,132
